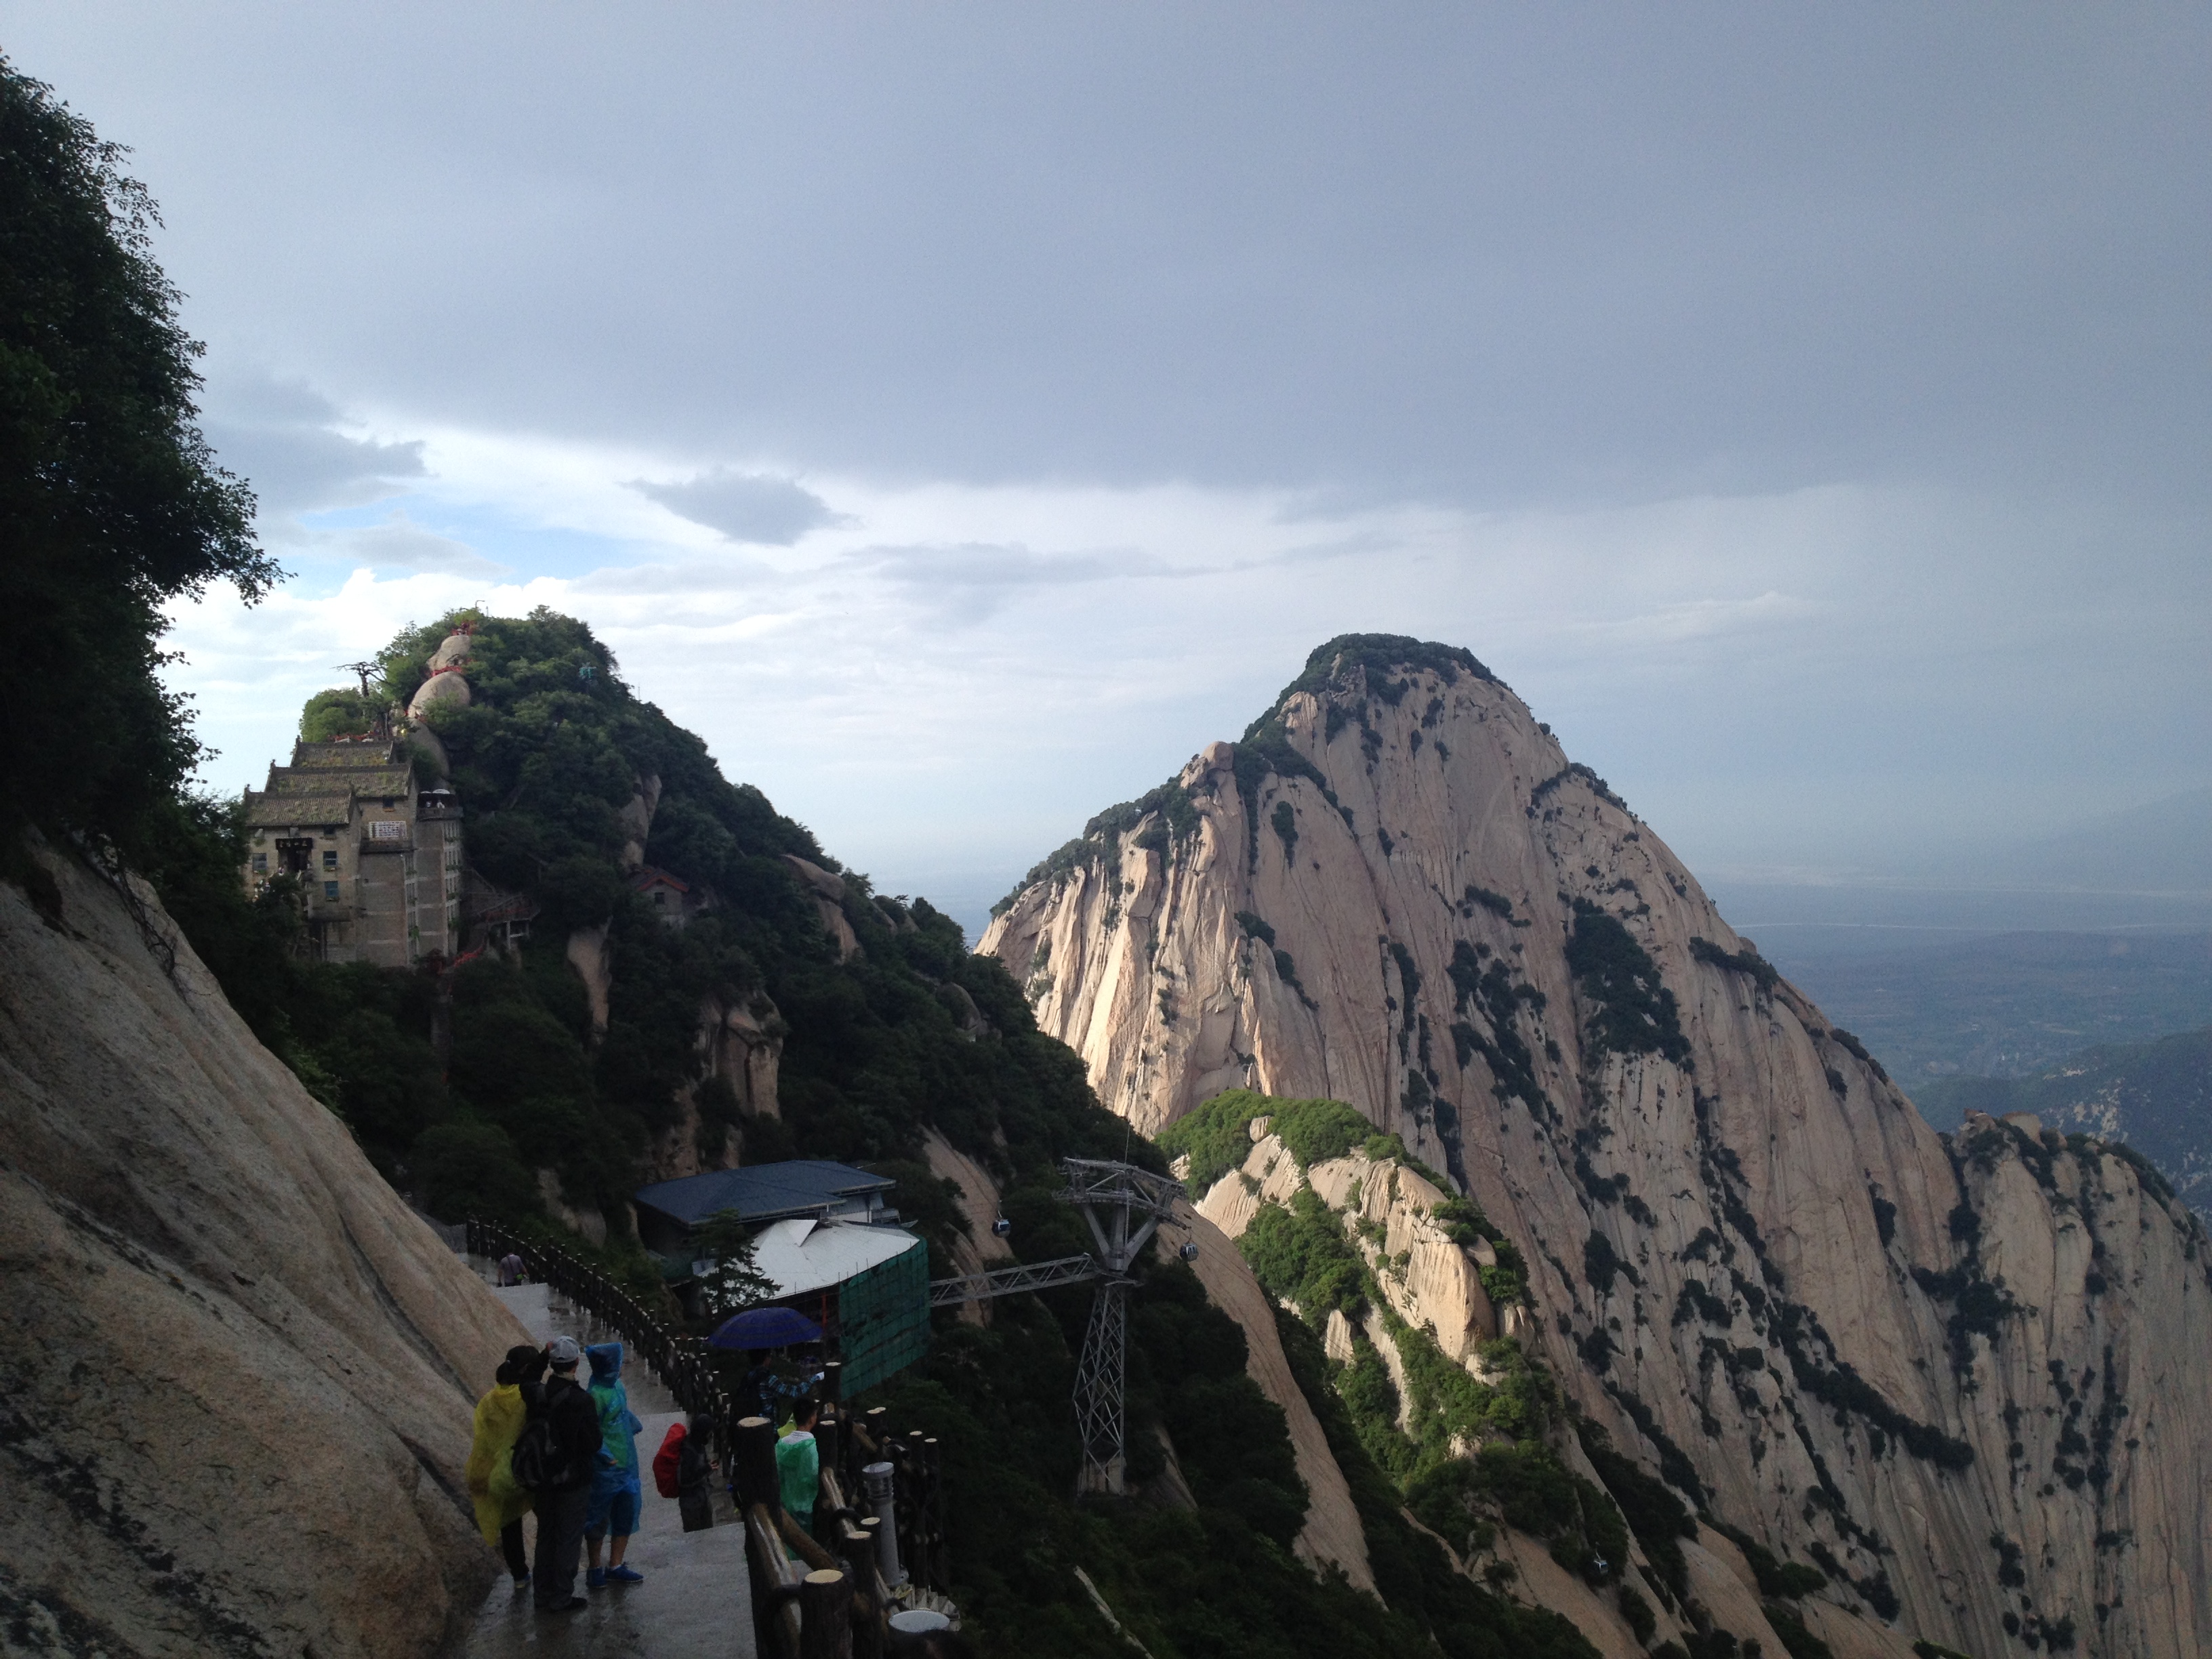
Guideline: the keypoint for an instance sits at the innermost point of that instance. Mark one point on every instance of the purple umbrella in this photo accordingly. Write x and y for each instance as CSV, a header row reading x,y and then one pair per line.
x,y
765,1327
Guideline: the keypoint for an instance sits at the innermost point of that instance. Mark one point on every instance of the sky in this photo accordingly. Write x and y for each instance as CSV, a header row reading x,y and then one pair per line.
x,y
961,415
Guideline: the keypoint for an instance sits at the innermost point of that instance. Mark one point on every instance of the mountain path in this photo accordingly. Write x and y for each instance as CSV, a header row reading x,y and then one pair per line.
x,y
697,1600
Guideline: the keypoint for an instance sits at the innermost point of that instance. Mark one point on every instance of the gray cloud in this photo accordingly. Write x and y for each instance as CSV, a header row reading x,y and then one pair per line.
x,y
1544,262
1507,257
400,543
282,438
970,582
697,576
989,565
745,506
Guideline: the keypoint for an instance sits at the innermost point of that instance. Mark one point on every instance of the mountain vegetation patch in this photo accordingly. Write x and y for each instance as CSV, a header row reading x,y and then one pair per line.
x,y
1746,962
1631,1011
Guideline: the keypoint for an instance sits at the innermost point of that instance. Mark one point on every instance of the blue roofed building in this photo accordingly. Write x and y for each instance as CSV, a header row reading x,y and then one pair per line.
x,y
814,1188
822,1234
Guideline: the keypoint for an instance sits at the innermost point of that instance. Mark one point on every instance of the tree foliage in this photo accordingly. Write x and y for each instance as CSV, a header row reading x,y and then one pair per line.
x,y
1631,1011
110,505
735,1282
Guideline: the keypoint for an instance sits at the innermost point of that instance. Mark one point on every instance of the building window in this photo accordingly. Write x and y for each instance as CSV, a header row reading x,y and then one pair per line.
x,y
261,864
330,860
330,889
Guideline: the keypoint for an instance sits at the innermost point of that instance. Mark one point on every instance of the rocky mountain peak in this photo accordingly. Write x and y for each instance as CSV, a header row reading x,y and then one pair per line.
x,y
1949,1373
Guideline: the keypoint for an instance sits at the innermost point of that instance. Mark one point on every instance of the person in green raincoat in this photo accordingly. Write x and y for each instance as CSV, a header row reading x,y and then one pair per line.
x,y
798,1461
615,1491
500,1504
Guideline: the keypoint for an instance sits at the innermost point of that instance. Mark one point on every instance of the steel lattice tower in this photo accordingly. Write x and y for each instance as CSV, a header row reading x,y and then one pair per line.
x,y
1125,1206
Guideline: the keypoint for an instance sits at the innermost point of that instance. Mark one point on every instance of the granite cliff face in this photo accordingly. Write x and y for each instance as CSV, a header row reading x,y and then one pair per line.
x,y
1963,1377
235,1394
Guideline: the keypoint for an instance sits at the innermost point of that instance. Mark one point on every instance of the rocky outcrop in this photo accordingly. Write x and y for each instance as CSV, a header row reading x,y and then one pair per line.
x,y
445,688
430,751
239,1372
588,954
1331,1535
2156,1096
827,889
636,816
1424,1275
743,1040
1956,1375
979,1248
586,1219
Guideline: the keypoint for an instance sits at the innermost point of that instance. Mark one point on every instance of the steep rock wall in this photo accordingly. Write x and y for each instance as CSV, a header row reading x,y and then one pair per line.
x,y
237,1385
1331,1536
1747,1251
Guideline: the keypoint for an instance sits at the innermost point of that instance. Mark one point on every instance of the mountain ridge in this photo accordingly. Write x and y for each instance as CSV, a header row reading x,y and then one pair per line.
x,y
1398,890
2156,1096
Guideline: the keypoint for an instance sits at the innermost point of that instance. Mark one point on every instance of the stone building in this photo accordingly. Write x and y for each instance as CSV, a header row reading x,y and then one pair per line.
x,y
378,861
674,900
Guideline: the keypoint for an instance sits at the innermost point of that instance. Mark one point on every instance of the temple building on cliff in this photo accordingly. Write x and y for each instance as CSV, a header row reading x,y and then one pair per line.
x,y
377,858
378,861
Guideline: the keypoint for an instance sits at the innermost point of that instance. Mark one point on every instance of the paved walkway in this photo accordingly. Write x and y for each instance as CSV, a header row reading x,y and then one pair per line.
x,y
695,1600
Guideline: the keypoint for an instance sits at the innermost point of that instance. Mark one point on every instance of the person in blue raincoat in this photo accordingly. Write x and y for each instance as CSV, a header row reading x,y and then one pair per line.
x,y
615,1488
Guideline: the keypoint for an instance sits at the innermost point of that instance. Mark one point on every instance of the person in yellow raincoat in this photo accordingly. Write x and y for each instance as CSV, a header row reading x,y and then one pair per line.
x,y
500,1504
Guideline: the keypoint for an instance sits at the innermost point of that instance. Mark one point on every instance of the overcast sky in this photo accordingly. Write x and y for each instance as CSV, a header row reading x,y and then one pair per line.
x,y
961,413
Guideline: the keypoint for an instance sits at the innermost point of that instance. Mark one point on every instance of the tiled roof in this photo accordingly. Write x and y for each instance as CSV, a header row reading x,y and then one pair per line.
x,y
282,812
363,780
345,754
803,1186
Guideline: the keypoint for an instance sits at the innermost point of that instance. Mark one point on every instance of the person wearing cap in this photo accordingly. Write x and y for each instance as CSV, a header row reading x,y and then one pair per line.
x,y
564,1501
500,1504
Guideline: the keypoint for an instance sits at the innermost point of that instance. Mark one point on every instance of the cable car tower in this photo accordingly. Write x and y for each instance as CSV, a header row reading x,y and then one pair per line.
x,y
1125,1206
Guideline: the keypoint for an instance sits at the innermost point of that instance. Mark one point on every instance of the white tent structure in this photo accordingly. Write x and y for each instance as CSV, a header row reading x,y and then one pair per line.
x,y
802,1254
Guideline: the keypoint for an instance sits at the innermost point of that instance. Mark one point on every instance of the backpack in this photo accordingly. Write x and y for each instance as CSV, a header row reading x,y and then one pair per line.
x,y
540,1464
536,1458
665,1462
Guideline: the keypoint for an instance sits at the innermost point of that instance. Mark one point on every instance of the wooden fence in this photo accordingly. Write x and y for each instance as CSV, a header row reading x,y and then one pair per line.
x,y
812,1599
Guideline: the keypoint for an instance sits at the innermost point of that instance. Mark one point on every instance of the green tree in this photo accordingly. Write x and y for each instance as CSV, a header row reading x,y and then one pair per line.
x,y
735,1282
110,504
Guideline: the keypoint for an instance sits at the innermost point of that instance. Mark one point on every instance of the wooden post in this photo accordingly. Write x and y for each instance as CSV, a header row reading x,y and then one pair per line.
x,y
825,1616
932,1515
859,1553
775,1603
914,1544
799,1543
752,1464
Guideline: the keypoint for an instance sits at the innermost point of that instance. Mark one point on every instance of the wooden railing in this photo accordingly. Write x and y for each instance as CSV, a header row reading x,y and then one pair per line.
x,y
810,1601
681,1361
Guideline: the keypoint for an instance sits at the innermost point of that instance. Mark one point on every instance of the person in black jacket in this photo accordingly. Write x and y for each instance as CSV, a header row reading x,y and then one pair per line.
x,y
562,1501
694,1474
